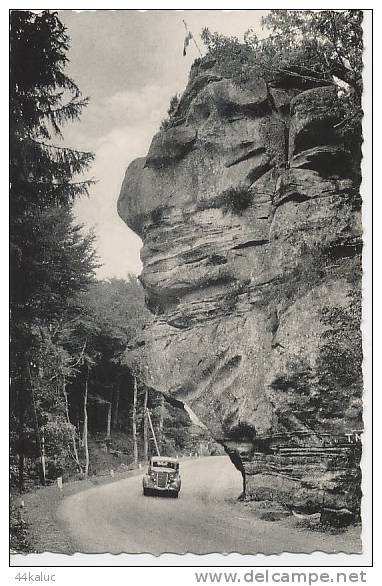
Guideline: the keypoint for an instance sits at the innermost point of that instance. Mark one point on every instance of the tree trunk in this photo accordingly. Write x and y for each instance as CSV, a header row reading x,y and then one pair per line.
x,y
161,421
43,460
40,444
85,430
79,424
116,403
135,422
108,426
21,434
73,433
145,427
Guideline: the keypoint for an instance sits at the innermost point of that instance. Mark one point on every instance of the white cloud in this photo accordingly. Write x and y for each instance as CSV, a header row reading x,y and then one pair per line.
x,y
117,245
130,66
131,119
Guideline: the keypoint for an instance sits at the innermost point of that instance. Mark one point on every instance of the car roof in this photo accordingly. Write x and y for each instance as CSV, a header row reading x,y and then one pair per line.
x,y
163,459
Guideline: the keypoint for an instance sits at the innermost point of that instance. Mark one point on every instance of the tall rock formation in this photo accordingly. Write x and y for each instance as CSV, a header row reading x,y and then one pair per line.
x,y
248,207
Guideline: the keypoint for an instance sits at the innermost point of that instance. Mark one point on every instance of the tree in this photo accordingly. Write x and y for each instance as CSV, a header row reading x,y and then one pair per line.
x,y
85,429
307,47
105,318
112,315
42,99
328,42
57,261
321,42
50,257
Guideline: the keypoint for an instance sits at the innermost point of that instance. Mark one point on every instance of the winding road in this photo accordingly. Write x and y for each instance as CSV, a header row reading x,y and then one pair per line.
x,y
117,518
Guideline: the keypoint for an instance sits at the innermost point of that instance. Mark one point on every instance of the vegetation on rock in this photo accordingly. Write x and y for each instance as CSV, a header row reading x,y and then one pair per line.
x,y
166,122
302,48
234,200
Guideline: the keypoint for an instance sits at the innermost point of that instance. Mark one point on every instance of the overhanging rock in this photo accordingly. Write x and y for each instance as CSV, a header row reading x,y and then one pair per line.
x,y
248,209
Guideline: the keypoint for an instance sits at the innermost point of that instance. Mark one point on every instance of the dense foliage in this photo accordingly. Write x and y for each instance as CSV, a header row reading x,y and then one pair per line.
x,y
69,332
51,257
313,44
72,392
302,48
340,361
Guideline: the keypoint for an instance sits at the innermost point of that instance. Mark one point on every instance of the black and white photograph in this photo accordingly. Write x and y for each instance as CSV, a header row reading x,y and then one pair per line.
x,y
189,308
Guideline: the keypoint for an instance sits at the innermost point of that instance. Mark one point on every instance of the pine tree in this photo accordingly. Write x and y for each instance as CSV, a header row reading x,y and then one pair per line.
x,y
42,99
50,257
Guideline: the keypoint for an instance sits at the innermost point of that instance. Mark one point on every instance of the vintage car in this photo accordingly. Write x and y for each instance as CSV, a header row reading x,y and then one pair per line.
x,y
162,477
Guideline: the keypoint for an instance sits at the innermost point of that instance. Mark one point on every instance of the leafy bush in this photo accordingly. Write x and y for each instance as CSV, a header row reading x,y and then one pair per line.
x,y
166,122
234,200
302,49
19,537
323,43
232,57
340,360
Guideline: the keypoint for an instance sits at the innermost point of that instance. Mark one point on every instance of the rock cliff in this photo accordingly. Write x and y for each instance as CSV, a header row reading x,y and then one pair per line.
x,y
248,207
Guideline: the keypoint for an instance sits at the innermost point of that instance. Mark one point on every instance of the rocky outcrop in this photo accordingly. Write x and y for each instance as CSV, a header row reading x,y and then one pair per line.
x,y
248,208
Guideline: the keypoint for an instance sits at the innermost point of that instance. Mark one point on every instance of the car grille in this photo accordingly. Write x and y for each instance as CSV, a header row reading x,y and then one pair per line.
x,y
162,479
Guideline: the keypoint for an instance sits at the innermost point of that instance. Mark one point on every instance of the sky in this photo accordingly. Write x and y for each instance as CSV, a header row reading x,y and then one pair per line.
x,y
129,63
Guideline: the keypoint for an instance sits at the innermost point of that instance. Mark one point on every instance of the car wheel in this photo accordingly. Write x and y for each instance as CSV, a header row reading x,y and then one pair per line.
x,y
146,492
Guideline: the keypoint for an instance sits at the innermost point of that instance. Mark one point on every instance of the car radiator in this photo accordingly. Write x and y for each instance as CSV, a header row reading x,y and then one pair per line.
x,y
162,479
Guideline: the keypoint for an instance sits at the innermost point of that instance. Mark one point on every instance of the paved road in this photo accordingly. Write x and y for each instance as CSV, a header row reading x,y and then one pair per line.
x,y
117,518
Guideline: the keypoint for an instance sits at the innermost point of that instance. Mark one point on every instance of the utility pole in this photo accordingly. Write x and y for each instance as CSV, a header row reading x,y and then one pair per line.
x,y
161,422
152,431
134,422
145,430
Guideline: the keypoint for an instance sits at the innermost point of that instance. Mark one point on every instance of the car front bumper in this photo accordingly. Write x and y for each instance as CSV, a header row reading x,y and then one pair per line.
x,y
168,488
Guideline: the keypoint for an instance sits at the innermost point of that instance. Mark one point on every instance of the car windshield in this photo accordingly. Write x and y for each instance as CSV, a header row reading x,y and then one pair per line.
x,y
164,464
